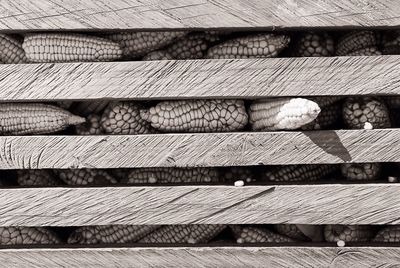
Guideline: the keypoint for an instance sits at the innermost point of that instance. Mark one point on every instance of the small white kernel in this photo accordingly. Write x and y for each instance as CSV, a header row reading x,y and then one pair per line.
x,y
191,241
240,241
393,179
368,126
341,243
239,183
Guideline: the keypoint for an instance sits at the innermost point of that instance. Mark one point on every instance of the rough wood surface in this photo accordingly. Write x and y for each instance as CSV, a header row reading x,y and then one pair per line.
x,y
201,78
204,149
301,204
280,257
122,14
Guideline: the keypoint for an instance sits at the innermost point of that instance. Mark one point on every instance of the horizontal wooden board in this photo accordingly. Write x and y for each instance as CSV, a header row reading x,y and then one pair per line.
x,y
299,204
189,14
253,78
206,257
202,149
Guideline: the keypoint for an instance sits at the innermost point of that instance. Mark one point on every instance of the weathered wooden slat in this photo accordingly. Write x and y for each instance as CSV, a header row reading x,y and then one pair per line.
x,y
156,14
279,257
201,79
300,204
201,149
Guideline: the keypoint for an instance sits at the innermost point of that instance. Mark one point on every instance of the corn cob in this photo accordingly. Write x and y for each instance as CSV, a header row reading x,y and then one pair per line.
x,y
325,100
362,172
361,110
193,233
11,50
315,45
192,46
124,118
36,177
69,47
197,116
158,55
137,44
85,176
253,46
250,234
34,118
27,235
292,173
86,108
348,233
368,51
389,234
238,173
391,42
393,102
110,234
282,113
291,231
327,118
171,175
91,127
354,41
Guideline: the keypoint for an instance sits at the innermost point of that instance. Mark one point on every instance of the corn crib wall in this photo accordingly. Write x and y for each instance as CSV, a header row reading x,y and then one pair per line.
x,y
372,203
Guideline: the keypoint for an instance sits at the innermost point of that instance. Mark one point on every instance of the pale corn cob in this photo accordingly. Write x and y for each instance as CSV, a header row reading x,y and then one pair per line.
x,y
354,41
327,118
393,102
391,42
357,111
69,47
110,234
171,175
250,234
37,177
252,46
348,233
315,45
91,127
197,116
27,236
191,233
11,50
192,46
85,176
86,108
361,172
124,118
325,100
291,231
389,234
34,118
137,44
237,173
369,51
158,55
292,173
282,113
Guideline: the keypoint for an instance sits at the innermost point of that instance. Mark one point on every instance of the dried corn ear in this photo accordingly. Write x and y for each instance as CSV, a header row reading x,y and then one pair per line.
x,y
361,172
237,173
11,50
27,236
252,46
91,127
348,233
369,51
85,176
37,177
291,231
34,118
69,47
357,111
158,55
389,234
197,116
261,235
282,113
315,45
86,108
354,41
191,46
327,118
292,173
192,234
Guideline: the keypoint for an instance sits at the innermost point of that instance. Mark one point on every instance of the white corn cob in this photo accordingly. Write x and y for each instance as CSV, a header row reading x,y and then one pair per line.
x,y
292,173
69,47
34,118
191,46
191,233
137,44
124,118
230,174
91,127
327,118
158,55
389,234
253,46
354,41
85,176
249,234
27,236
11,50
110,234
361,172
348,233
197,116
37,177
315,45
86,108
291,231
171,175
368,51
282,113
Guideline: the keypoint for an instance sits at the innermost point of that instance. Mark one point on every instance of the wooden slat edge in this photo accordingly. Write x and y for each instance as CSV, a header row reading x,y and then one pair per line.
x,y
302,204
253,78
205,257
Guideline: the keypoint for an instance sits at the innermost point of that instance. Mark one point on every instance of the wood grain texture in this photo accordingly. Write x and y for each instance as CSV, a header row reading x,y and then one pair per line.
x,y
300,204
206,257
156,14
253,78
202,149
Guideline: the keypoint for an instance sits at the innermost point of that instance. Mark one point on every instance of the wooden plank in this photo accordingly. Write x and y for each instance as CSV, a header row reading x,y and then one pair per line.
x,y
205,257
189,14
200,149
299,204
201,79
